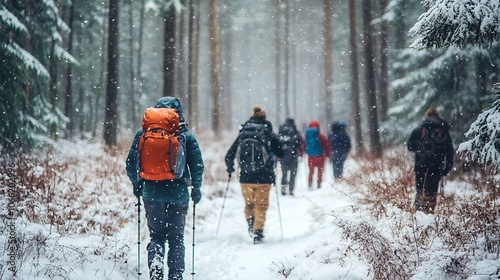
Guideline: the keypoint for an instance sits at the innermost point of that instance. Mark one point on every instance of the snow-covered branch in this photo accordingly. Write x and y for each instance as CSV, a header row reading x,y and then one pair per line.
x,y
457,22
484,147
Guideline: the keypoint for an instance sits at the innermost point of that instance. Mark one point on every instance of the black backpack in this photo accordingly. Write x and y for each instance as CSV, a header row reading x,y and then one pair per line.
x,y
254,147
290,142
432,139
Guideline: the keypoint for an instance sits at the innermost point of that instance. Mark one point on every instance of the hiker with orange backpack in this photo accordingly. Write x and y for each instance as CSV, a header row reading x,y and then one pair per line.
x,y
163,161
433,148
317,149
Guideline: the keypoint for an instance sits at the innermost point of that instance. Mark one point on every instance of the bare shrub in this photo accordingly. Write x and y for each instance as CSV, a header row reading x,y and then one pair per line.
x,y
388,260
53,190
388,179
283,270
465,225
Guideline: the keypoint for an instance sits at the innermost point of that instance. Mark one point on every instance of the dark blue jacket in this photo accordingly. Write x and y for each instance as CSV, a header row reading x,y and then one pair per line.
x,y
339,140
170,191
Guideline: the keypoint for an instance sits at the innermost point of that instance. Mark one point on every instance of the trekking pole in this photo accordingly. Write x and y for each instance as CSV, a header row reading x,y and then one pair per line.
x,y
279,211
139,237
223,203
194,215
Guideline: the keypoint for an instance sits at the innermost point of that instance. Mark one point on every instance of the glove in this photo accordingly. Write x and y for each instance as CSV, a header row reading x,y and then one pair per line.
x,y
138,190
196,195
230,169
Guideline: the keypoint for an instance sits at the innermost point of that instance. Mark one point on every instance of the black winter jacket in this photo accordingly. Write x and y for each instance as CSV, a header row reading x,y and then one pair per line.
x,y
267,175
438,152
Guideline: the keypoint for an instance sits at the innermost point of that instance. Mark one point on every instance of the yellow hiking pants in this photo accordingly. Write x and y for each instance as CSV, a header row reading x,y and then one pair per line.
x,y
256,203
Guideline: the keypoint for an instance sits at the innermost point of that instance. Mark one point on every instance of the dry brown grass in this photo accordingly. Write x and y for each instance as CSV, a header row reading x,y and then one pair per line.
x,y
467,223
70,194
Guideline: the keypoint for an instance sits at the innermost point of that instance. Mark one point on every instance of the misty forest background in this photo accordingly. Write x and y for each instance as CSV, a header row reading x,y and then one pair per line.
x,y
86,69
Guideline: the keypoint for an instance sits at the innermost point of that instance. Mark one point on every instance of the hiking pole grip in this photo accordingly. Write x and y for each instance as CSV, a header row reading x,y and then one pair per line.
x,y
223,203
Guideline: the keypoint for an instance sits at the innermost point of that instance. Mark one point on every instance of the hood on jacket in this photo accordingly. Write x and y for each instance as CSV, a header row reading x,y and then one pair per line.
x,y
314,123
173,103
290,122
338,126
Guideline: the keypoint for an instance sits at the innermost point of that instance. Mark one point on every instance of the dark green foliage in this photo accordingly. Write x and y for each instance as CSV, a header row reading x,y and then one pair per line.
x,y
446,80
29,37
13,119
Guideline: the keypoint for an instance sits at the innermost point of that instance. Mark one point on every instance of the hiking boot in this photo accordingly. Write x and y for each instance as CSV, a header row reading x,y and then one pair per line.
x,y
291,192
259,236
283,190
250,227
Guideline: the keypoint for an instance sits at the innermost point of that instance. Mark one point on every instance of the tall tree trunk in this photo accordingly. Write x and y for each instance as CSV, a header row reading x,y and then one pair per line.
x,y
277,51
384,83
101,81
68,108
81,78
226,64
214,66
370,86
180,72
27,47
196,59
294,65
141,47
286,92
169,54
53,90
328,57
111,112
400,41
356,108
191,66
132,114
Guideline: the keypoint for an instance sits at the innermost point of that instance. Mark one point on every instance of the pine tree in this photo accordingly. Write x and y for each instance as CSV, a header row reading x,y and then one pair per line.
x,y
30,38
461,35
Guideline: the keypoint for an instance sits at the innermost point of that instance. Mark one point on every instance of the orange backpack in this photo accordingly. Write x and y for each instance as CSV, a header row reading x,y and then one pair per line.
x,y
161,150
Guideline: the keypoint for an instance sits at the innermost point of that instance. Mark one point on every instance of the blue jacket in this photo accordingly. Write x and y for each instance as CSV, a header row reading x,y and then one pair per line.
x,y
170,191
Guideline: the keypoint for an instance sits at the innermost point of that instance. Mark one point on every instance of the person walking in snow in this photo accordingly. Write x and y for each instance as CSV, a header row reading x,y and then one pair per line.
x,y
433,148
166,201
340,144
317,149
293,145
256,145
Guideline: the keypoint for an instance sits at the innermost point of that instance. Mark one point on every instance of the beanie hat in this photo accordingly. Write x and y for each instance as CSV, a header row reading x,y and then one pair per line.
x,y
258,112
432,112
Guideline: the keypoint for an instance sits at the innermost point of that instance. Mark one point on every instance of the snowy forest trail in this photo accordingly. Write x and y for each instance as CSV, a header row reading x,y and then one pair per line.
x,y
335,232
232,255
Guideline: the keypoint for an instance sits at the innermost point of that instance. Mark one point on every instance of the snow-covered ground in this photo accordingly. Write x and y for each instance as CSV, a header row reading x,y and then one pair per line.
x,y
304,237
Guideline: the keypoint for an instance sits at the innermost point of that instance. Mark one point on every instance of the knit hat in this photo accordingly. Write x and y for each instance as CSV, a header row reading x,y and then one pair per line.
x,y
258,112
432,112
